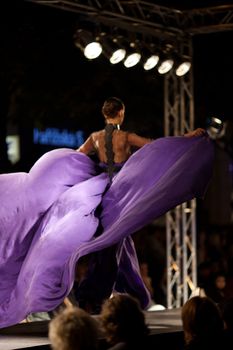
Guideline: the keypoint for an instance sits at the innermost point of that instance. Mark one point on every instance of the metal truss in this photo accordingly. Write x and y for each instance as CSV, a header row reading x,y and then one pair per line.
x,y
148,18
208,20
133,16
181,253
181,221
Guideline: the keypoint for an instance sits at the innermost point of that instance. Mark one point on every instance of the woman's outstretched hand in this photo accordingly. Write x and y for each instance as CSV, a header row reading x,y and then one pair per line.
x,y
196,132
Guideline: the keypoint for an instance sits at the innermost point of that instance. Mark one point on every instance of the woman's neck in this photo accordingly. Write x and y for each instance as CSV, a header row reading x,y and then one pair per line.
x,y
114,122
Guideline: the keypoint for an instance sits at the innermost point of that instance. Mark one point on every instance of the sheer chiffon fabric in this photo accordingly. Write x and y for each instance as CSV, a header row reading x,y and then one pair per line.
x,y
48,217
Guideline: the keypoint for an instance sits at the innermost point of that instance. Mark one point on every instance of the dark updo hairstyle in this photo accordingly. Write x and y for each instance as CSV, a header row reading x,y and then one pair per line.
x,y
111,107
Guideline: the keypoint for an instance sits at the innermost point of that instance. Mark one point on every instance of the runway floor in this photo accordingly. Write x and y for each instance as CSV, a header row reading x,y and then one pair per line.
x,y
165,328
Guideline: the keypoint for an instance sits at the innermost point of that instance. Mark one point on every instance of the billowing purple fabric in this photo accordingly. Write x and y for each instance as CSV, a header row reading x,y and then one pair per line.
x,y
48,218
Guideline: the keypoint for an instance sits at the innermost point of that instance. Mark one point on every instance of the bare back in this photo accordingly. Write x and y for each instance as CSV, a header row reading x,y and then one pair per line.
x,y
122,142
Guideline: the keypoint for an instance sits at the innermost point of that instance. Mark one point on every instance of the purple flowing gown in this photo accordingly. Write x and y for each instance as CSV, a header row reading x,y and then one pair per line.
x,y
48,217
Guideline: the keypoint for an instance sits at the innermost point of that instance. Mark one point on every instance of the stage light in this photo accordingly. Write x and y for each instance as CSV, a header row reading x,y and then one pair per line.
x,y
133,55
165,66
151,62
92,50
132,59
167,59
85,41
150,55
117,56
215,127
113,50
183,68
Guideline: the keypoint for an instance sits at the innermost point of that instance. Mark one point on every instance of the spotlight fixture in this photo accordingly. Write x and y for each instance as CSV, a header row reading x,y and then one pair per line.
x,y
133,56
92,50
85,41
132,59
165,66
182,68
151,62
150,56
113,50
166,58
117,56
215,127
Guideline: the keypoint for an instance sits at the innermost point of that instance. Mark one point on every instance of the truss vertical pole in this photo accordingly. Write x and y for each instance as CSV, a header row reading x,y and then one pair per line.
x,y
180,221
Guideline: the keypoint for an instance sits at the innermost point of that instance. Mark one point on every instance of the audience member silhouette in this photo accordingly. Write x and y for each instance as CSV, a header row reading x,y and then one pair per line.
x,y
123,323
216,287
73,329
202,324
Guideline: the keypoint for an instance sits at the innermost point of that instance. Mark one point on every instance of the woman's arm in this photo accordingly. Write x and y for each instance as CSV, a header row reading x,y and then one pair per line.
x,y
87,147
196,132
137,141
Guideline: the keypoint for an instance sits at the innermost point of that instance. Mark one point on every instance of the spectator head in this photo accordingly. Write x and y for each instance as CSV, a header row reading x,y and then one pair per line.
x,y
73,329
123,320
201,319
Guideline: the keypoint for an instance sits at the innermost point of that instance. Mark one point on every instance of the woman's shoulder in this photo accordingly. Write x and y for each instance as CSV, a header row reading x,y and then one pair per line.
x,y
96,134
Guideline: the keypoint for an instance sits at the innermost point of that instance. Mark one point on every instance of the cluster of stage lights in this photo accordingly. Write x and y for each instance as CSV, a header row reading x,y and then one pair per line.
x,y
130,57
